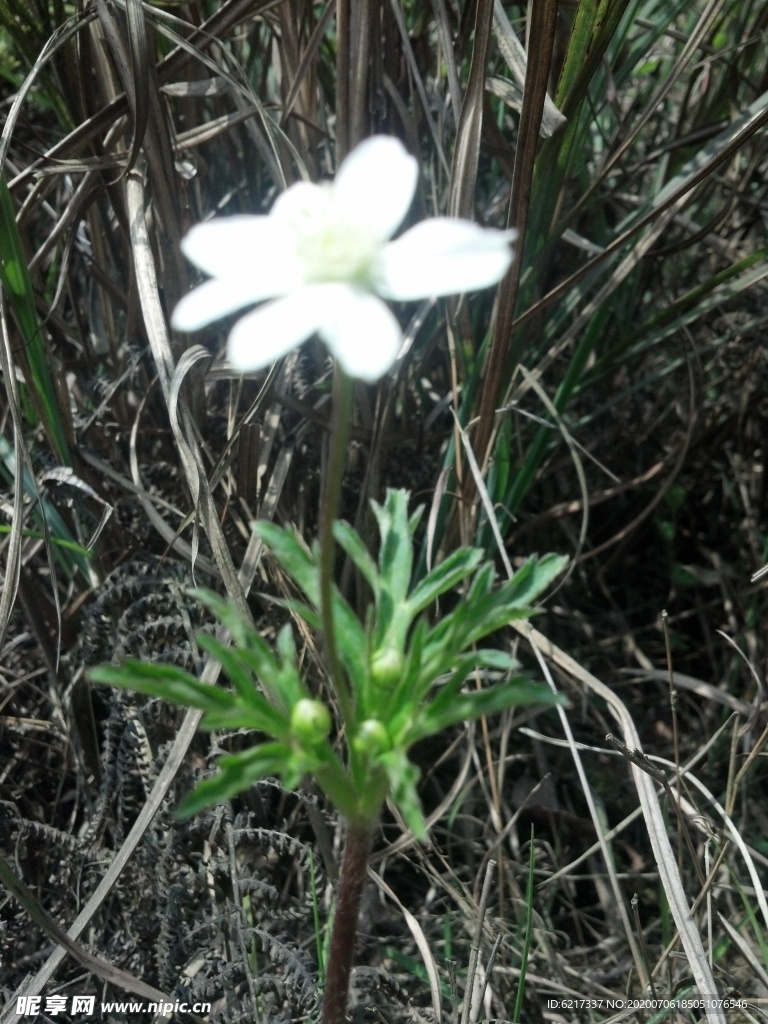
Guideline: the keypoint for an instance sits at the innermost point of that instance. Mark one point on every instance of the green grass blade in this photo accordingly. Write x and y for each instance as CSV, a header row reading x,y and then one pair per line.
x,y
17,285
527,935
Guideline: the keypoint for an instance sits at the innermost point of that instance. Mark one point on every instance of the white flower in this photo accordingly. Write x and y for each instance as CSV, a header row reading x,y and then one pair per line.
x,y
324,257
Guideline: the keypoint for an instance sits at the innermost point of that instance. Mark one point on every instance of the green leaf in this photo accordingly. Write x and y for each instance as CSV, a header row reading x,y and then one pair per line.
x,y
239,669
481,586
485,610
350,634
166,681
303,611
351,639
447,709
444,577
301,565
242,718
350,542
396,549
237,773
386,632
293,555
251,658
403,776
288,684
491,657
408,719
15,278
242,632
532,579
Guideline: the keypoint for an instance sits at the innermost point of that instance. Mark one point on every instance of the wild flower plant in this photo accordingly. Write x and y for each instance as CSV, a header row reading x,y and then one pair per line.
x,y
398,674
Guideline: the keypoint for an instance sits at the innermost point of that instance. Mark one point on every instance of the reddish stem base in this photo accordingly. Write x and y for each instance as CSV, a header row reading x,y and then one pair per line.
x,y
341,956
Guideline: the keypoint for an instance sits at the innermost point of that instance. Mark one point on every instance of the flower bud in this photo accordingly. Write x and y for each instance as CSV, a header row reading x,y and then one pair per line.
x,y
387,666
310,721
372,738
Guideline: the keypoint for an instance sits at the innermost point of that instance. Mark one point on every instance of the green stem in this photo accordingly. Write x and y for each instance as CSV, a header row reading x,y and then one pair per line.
x,y
341,955
331,498
360,828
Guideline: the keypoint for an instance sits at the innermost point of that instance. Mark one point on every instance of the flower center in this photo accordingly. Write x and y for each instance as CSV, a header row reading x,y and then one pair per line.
x,y
333,248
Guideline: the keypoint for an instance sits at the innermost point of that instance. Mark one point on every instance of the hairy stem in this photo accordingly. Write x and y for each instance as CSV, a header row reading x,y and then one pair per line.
x,y
341,955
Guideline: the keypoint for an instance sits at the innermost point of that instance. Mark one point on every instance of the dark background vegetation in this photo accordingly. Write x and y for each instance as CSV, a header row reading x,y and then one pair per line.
x,y
615,396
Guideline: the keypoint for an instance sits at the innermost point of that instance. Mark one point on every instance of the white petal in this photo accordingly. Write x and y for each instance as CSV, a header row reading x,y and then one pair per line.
x,y
375,185
211,301
302,202
361,332
443,256
272,330
220,247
